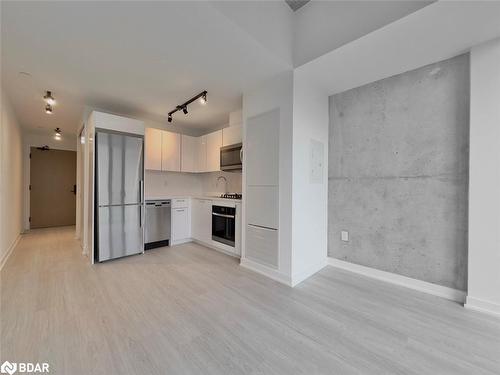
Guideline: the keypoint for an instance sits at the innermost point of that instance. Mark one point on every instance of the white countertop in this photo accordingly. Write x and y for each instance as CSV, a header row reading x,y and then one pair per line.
x,y
210,197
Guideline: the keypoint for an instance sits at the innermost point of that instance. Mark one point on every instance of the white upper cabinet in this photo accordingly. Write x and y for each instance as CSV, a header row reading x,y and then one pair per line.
x,y
189,153
167,151
231,135
262,149
201,154
214,143
171,152
152,158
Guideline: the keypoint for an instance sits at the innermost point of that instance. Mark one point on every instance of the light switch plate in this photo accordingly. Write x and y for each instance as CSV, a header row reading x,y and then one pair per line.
x,y
344,235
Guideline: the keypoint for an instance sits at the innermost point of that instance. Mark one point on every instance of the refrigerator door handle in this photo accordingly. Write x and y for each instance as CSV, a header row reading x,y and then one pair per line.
x,y
141,201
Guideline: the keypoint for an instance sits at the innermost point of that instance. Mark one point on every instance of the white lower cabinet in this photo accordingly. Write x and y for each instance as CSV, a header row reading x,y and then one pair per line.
x,y
262,245
181,220
192,219
201,223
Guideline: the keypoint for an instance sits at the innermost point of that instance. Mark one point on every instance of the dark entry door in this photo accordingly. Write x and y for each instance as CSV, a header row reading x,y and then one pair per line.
x,y
53,188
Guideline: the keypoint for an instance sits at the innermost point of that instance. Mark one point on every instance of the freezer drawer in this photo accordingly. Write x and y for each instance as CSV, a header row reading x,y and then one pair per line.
x,y
262,245
120,231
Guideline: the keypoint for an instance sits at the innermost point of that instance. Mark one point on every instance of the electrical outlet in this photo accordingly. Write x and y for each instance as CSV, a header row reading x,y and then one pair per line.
x,y
344,236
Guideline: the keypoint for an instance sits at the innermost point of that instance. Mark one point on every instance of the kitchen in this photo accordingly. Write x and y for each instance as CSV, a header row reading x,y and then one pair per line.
x,y
189,188
275,187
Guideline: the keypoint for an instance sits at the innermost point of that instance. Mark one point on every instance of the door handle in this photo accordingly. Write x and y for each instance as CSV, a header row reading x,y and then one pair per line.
x,y
74,189
241,154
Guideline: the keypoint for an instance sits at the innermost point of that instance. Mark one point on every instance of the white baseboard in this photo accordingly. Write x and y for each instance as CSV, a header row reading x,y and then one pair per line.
x,y
483,306
9,251
266,271
299,277
180,242
408,282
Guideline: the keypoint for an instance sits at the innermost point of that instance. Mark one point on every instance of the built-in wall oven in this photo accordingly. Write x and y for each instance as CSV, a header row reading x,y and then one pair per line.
x,y
223,224
231,157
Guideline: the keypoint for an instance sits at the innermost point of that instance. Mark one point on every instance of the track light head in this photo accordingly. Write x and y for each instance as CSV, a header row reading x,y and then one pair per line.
x,y
57,135
169,118
49,99
185,110
48,109
203,98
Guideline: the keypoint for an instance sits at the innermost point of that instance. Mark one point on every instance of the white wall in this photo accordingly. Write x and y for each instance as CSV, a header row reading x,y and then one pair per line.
x,y
276,93
33,139
211,186
11,179
166,184
310,195
159,184
484,179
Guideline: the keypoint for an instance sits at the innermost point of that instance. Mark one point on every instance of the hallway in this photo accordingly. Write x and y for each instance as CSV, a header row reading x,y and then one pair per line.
x,y
190,310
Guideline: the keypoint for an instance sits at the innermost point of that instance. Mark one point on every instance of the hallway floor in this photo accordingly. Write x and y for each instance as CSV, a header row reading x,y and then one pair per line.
x,y
191,310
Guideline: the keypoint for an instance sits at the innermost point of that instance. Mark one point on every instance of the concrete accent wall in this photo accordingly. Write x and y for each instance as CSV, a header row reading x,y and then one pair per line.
x,y
398,173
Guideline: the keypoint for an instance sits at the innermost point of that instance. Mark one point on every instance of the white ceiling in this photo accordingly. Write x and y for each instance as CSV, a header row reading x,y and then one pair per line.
x,y
323,26
141,59
135,58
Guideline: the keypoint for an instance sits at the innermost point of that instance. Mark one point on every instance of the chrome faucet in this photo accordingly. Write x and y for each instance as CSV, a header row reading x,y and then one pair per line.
x,y
225,182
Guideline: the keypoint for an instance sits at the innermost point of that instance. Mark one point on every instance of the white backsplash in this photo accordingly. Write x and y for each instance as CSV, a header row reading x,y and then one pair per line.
x,y
159,184
210,185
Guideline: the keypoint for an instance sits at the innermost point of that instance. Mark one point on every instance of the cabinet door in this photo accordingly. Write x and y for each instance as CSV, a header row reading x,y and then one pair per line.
x,y
189,153
231,135
201,164
152,158
262,149
214,143
180,224
171,152
206,221
195,219
201,220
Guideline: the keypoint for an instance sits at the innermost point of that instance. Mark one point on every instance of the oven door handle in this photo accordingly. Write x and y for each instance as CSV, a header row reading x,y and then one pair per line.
x,y
223,215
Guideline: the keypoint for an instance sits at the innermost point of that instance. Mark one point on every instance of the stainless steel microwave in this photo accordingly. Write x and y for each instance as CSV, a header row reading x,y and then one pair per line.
x,y
231,157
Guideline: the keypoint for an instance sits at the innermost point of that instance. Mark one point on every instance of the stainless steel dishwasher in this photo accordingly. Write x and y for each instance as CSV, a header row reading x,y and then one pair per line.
x,y
158,221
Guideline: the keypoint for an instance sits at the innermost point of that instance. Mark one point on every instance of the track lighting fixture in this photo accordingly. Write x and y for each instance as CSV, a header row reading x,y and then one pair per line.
x,y
48,109
203,98
57,135
49,99
183,107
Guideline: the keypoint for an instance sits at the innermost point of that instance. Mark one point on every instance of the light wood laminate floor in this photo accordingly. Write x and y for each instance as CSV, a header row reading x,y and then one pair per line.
x,y
191,310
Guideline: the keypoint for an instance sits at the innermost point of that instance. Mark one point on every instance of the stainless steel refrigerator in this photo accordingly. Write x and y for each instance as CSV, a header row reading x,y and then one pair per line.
x,y
119,213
